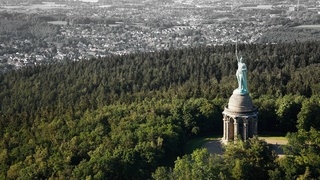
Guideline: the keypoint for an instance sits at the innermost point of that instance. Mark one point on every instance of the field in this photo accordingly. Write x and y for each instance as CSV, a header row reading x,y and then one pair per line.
x,y
43,6
257,7
58,22
315,26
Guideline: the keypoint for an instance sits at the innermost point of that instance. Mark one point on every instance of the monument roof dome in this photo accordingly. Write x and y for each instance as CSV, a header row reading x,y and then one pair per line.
x,y
240,103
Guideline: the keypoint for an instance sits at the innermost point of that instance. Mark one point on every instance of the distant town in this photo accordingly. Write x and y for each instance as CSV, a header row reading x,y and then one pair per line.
x,y
33,32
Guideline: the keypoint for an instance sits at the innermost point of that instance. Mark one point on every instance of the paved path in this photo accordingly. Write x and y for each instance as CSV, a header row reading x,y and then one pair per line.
x,y
214,146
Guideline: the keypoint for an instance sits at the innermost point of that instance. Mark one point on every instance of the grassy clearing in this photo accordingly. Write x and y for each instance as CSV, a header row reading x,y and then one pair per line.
x,y
279,140
198,142
273,137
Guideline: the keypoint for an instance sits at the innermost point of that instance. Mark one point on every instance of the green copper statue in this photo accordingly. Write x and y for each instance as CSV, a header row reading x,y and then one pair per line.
x,y
241,77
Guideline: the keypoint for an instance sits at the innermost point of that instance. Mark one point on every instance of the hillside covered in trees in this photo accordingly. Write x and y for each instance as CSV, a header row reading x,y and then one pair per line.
x,y
122,117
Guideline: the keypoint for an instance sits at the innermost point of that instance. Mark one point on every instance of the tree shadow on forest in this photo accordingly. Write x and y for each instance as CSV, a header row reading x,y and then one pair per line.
x,y
278,149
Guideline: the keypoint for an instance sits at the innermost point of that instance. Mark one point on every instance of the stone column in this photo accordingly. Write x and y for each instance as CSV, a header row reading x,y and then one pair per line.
x,y
255,126
224,129
236,128
227,129
250,127
231,129
245,129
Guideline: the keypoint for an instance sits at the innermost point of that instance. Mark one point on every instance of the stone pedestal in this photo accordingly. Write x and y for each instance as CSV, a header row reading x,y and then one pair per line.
x,y
240,118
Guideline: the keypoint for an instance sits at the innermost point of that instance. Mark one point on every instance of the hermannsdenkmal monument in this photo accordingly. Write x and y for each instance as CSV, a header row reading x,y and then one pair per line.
x,y
240,117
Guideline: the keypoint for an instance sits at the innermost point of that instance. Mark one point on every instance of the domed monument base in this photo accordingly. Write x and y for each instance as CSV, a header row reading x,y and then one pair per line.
x,y
240,118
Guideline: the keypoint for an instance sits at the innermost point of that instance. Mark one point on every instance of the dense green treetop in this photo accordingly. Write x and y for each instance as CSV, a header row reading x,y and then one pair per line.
x,y
121,117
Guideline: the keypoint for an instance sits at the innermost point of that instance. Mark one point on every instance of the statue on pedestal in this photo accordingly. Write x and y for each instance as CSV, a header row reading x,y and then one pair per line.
x,y
241,77
240,116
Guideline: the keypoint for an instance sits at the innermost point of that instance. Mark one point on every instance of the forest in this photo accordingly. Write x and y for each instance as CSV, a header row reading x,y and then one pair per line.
x,y
128,117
